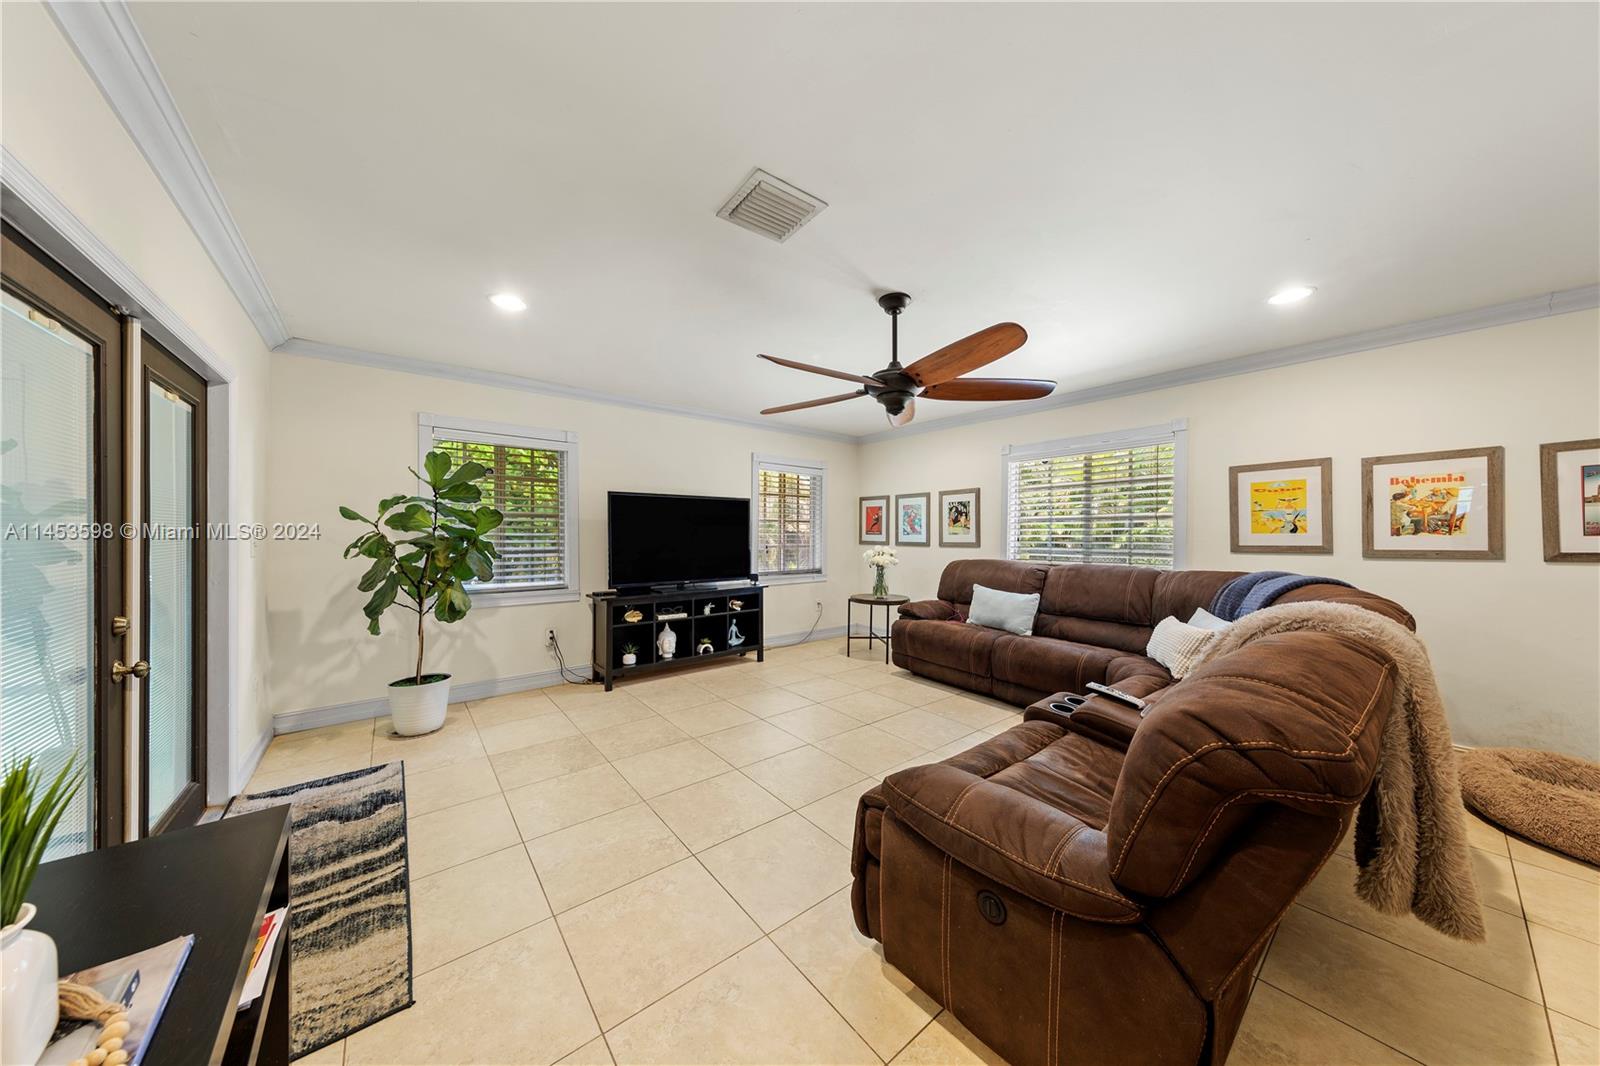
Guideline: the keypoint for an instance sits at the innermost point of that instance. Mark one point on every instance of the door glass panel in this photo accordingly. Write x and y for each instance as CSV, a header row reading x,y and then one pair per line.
x,y
47,618
170,725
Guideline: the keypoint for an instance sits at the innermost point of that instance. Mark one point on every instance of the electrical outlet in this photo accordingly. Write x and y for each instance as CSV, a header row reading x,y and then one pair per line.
x,y
550,638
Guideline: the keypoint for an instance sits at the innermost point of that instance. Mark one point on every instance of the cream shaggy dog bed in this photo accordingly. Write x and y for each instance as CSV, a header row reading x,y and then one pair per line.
x,y
1549,798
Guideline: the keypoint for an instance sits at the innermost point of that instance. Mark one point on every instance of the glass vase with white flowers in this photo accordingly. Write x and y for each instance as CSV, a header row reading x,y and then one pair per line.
x,y
880,559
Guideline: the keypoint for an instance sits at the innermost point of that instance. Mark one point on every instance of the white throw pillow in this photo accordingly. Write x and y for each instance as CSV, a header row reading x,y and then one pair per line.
x,y
1206,620
1178,645
1010,611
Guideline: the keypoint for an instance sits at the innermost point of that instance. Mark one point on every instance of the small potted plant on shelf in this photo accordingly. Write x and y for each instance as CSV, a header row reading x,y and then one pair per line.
x,y
439,543
29,813
630,654
880,559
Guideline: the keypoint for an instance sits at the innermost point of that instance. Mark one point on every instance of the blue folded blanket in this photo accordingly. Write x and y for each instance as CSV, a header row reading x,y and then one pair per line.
x,y
1251,592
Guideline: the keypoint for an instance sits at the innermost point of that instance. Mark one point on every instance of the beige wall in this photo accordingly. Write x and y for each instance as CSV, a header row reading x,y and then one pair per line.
x,y
1516,643
55,121
345,434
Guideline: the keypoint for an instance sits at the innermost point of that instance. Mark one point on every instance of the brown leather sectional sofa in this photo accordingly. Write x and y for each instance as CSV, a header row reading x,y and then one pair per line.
x,y
1097,888
1093,625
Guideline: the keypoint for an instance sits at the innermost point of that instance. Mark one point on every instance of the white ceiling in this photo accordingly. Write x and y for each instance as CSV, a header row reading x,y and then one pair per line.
x,y
1128,182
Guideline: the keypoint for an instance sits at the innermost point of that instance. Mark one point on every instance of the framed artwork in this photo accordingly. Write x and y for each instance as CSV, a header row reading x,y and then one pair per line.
x,y
958,518
911,519
1569,482
1434,505
1282,507
872,519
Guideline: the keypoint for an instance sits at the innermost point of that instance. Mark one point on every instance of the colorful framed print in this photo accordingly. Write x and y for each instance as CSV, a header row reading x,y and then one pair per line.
x,y
1282,507
872,519
1434,505
1569,481
958,519
911,519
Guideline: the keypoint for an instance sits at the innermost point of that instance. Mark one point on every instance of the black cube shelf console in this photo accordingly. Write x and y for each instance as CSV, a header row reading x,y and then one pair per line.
x,y
708,624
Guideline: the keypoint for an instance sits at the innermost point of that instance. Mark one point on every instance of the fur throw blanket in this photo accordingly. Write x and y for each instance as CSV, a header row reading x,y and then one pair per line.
x,y
1421,863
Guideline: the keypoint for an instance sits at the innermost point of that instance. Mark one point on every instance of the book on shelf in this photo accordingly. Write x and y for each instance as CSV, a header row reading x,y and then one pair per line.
x,y
261,959
141,982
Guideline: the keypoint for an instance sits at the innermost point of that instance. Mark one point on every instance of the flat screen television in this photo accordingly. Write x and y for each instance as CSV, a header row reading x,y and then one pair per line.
x,y
657,539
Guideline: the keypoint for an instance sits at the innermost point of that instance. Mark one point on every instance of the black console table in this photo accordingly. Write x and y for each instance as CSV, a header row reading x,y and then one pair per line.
x,y
216,881
730,619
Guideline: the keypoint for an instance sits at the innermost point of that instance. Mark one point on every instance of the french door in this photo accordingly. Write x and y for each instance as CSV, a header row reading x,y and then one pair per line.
x,y
172,744
102,616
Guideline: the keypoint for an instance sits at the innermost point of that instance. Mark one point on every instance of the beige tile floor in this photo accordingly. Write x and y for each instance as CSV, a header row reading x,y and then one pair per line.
x,y
659,875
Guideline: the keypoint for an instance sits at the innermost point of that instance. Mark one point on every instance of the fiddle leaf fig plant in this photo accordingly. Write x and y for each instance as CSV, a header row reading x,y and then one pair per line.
x,y
423,549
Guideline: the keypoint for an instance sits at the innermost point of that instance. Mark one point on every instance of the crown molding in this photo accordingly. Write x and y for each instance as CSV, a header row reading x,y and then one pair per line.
x,y
1543,305
109,45
337,353
27,203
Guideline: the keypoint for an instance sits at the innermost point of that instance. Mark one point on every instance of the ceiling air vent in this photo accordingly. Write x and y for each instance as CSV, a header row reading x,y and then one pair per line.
x,y
770,206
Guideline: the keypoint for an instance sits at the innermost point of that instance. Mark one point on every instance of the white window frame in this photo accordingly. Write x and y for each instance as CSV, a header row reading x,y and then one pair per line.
x,y
432,427
1176,431
819,515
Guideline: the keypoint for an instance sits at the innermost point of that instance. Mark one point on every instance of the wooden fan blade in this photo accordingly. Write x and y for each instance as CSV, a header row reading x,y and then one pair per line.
x,y
814,403
969,353
907,413
808,368
990,389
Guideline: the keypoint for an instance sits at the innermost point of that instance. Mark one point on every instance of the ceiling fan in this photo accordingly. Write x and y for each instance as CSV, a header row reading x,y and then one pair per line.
x,y
938,375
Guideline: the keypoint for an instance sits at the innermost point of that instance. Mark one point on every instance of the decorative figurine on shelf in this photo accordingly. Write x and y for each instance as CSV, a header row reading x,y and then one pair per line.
x,y
634,615
705,647
667,642
735,605
735,638
630,654
706,609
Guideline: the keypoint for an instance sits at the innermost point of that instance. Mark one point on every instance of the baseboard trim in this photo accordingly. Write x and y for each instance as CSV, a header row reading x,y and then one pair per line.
x,y
356,710
786,639
252,759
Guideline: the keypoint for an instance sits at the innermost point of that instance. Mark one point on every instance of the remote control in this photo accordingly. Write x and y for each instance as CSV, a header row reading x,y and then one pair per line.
x,y
1116,694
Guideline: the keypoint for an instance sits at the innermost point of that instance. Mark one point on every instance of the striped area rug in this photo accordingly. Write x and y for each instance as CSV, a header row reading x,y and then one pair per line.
x,y
349,901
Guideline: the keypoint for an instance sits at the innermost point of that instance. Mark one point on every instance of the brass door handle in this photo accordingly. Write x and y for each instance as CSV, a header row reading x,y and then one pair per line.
x,y
119,672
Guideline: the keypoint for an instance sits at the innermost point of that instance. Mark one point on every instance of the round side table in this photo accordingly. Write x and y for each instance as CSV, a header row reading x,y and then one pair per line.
x,y
888,603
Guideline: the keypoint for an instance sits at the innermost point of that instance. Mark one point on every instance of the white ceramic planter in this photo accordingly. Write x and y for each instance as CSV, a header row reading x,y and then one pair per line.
x,y
418,709
29,1004
629,658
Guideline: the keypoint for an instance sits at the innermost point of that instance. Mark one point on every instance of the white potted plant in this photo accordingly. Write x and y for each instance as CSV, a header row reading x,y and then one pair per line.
x,y
29,1004
630,654
443,545
880,559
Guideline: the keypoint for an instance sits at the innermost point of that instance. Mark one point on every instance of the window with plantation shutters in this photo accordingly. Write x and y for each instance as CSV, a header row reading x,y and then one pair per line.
x,y
532,481
786,517
1113,498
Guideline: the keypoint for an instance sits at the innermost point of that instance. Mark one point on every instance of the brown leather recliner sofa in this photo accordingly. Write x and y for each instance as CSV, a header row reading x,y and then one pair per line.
x,y
1097,888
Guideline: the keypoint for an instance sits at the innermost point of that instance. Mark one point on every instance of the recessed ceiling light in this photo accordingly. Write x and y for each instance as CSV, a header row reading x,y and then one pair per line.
x,y
1293,294
508,301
